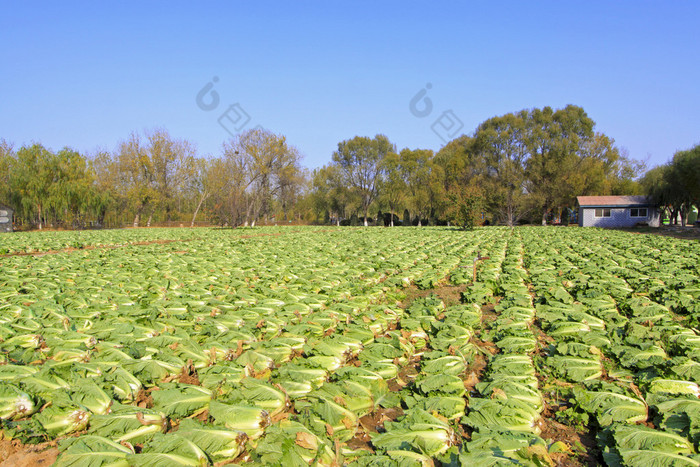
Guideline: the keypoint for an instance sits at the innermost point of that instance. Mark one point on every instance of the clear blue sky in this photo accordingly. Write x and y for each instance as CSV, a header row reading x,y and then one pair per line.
x,y
87,74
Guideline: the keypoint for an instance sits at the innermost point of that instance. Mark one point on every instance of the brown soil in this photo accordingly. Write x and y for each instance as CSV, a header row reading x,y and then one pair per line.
x,y
474,372
144,399
449,294
583,447
361,441
488,314
554,431
543,339
15,454
406,374
372,423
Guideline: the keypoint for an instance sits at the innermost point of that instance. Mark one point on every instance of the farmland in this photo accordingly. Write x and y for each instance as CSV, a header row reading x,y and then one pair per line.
x,y
333,346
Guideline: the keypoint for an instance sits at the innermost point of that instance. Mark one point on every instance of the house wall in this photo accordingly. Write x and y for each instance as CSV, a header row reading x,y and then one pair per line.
x,y
5,219
619,217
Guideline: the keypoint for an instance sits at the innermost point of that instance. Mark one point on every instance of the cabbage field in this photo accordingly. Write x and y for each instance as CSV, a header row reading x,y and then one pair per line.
x,y
351,346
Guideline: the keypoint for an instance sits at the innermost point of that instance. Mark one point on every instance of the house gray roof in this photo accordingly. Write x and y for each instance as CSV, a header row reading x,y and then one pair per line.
x,y
613,201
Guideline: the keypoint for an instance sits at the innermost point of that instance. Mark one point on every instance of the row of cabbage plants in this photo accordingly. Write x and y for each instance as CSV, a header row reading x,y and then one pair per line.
x,y
628,361
222,348
299,346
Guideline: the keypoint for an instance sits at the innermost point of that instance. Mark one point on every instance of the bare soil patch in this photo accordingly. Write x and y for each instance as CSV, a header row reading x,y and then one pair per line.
x,y
15,454
372,423
488,314
474,372
450,294
584,449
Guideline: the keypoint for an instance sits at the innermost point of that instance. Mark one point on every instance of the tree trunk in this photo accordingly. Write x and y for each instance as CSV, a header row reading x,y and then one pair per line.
x,y
39,208
366,210
137,218
510,216
199,205
150,218
249,206
544,216
683,215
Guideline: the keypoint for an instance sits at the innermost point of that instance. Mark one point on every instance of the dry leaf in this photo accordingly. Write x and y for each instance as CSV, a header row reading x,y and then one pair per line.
x,y
347,422
307,440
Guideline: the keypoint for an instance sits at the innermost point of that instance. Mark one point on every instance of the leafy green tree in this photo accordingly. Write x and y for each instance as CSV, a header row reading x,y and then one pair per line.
x,y
358,160
297,202
270,165
293,182
72,190
329,193
137,175
676,185
466,206
172,165
7,159
393,186
228,176
502,142
456,165
415,168
30,182
105,173
624,175
203,182
555,143
406,221
153,172
687,174
655,186
258,174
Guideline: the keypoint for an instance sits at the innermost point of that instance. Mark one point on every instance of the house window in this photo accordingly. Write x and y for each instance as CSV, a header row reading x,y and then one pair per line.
x,y
602,212
638,212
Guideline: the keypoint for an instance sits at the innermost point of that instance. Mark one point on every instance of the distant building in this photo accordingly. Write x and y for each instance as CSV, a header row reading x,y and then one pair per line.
x,y
5,218
617,211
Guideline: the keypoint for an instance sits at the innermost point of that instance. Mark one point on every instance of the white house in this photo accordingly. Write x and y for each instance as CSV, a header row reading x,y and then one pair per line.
x,y
617,211
5,218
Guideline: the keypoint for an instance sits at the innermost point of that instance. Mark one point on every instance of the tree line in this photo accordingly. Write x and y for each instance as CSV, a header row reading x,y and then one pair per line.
x,y
675,186
153,178
525,166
